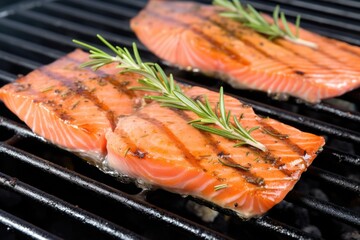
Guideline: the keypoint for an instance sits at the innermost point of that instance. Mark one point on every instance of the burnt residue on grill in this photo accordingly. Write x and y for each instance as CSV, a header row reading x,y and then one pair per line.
x,y
75,200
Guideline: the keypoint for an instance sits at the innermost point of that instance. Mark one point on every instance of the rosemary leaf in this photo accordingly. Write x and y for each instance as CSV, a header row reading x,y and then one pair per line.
x,y
297,24
253,129
220,186
188,102
286,25
214,130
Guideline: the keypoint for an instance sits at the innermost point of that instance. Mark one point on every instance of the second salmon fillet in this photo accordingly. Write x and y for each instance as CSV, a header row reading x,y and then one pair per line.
x,y
193,36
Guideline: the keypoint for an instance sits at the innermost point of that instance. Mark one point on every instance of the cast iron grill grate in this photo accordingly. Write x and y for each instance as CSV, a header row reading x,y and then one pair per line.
x,y
48,193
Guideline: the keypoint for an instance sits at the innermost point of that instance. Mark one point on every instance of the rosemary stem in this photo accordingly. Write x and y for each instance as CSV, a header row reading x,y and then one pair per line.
x,y
256,144
301,42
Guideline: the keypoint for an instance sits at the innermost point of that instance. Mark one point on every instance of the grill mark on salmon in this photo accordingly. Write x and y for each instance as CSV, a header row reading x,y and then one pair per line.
x,y
272,160
300,151
79,88
266,156
187,155
237,34
121,86
39,97
216,20
216,44
288,142
221,153
308,57
344,47
350,51
293,47
301,73
132,149
260,49
104,78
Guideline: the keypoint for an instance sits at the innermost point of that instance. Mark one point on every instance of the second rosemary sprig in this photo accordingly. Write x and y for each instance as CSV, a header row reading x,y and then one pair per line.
x,y
252,18
155,80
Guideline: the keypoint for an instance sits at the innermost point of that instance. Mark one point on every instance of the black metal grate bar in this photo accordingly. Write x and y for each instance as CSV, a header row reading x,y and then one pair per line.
x,y
27,229
136,3
128,201
8,77
88,16
83,216
349,3
352,116
104,6
326,208
342,157
20,6
334,179
38,32
29,46
83,29
278,227
19,129
19,60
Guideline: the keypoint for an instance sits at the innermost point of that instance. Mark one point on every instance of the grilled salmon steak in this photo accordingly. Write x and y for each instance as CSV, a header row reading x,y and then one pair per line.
x,y
159,147
73,107
194,36
95,115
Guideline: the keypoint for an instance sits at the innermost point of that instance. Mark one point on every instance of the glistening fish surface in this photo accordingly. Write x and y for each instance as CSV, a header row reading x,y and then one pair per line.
x,y
194,36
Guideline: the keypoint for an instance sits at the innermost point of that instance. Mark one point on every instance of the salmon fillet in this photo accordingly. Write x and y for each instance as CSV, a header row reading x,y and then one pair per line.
x,y
96,116
73,107
194,36
158,147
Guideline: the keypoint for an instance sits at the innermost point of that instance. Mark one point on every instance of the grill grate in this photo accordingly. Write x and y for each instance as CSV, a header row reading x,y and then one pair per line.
x,y
38,32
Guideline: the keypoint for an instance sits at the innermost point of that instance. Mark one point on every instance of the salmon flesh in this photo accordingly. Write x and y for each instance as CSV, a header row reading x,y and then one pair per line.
x,y
70,106
194,36
95,115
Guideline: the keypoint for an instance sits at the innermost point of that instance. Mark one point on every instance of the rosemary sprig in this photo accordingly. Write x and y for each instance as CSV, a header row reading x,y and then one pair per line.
x,y
253,19
154,79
